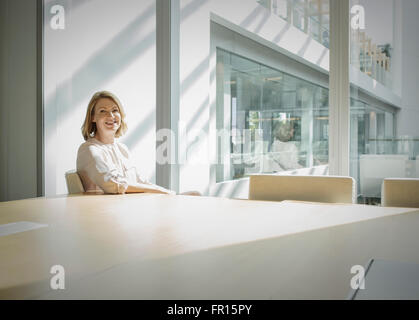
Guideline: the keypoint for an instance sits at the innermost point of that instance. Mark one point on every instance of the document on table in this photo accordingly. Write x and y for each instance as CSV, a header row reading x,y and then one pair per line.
x,y
21,226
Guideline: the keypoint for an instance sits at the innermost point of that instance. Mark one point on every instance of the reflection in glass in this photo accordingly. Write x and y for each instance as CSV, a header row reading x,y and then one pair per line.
x,y
311,17
382,65
278,122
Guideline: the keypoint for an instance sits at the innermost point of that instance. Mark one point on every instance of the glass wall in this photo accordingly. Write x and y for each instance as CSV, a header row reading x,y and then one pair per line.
x,y
384,142
372,132
311,17
276,122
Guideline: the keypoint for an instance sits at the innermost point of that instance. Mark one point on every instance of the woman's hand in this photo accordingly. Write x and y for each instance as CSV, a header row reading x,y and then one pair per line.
x,y
191,193
148,188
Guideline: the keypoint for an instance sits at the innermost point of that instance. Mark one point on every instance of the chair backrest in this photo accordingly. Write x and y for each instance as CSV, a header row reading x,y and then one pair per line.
x,y
328,189
373,168
400,193
74,184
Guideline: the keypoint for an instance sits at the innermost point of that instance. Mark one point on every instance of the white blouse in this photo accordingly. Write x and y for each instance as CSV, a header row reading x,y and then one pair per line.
x,y
106,167
285,154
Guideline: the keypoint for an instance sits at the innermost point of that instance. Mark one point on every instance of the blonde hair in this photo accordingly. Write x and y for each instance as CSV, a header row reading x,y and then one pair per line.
x,y
283,131
88,129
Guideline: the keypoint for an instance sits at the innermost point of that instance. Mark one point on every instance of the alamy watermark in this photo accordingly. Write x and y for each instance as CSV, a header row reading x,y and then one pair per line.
x,y
210,147
358,18
358,280
57,281
57,21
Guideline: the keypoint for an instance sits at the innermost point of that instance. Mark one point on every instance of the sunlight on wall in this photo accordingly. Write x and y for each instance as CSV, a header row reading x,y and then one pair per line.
x,y
108,49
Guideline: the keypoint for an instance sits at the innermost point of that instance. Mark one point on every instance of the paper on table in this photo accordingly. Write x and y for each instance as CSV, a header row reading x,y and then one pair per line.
x,y
21,226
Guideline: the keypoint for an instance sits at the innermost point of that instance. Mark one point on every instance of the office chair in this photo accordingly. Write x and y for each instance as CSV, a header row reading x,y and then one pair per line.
x,y
373,168
74,184
400,192
328,189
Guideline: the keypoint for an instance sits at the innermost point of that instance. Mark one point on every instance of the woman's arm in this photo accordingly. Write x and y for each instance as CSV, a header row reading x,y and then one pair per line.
x,y
285,154
94,165
149,188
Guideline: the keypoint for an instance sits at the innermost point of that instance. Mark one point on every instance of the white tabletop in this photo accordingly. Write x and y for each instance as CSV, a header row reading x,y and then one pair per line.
x,y
144,246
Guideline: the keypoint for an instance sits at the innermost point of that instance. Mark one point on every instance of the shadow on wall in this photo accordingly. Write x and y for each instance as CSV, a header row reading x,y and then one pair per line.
x,y
101,67
73,5
252,17
117,50
110,60
259,13
262,22
303,49
116,56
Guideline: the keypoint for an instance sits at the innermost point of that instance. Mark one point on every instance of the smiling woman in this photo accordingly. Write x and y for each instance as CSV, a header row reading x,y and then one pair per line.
x,y
103,163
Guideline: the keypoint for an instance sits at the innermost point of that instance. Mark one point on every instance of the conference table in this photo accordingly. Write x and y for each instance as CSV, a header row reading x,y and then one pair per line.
x,y
151,246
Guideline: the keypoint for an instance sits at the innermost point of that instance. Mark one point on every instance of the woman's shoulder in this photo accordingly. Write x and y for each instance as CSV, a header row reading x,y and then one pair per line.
x,y
95,147
90,146
283,146
277,144
88,143
122,147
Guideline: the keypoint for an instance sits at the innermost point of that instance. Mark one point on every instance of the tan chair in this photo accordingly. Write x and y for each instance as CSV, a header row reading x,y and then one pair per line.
x,y
74,184
328,189
373,168
398,192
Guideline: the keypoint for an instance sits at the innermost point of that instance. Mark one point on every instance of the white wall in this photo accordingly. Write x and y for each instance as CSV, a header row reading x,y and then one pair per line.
x,y
395,22
408,119
194,79
106,45
18,62
379,20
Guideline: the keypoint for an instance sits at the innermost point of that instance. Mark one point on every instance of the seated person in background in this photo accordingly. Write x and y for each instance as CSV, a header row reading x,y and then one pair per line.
x,y
283,151
321,153
104,163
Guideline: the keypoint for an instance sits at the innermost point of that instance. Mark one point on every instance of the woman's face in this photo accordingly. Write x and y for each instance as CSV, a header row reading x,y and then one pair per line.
x,y
107,117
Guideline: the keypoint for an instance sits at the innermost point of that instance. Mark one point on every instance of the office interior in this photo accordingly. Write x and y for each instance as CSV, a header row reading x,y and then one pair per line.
x,y
232,67
225,77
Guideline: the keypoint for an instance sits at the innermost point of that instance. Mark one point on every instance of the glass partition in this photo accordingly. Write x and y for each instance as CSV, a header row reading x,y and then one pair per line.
x,y
310,16
278,122
384,108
